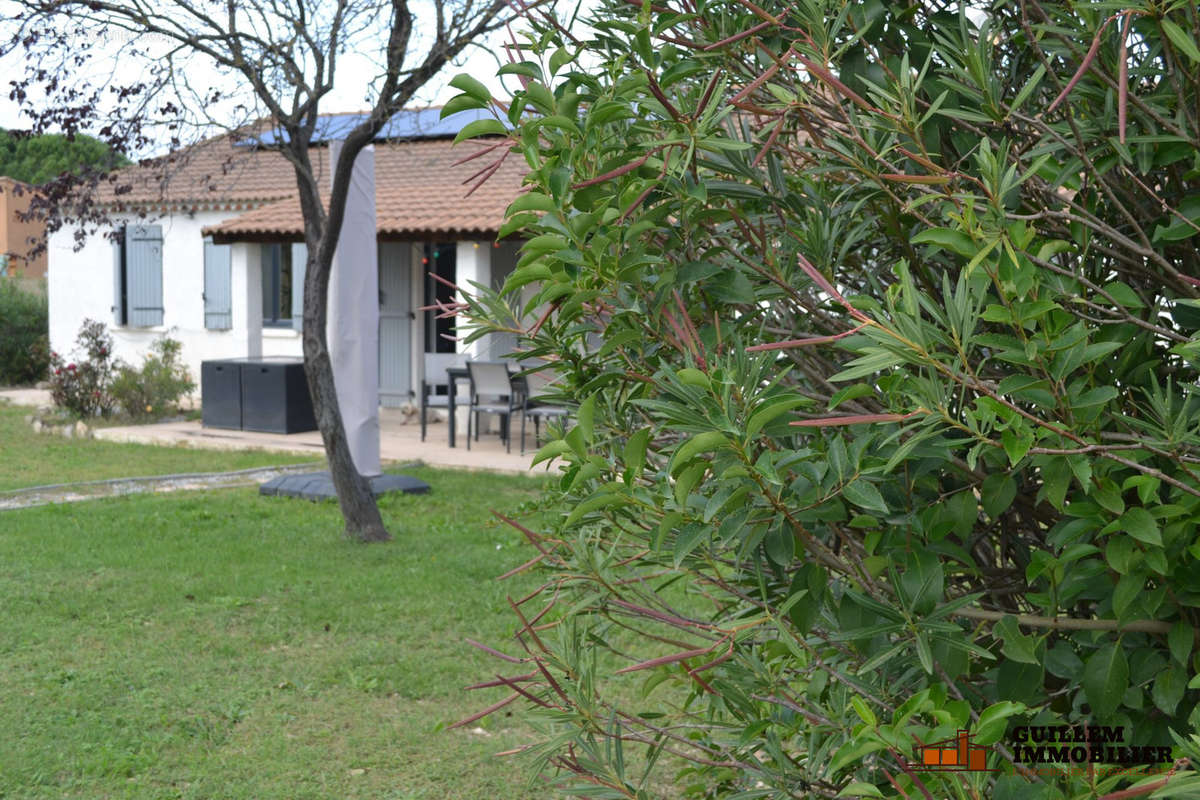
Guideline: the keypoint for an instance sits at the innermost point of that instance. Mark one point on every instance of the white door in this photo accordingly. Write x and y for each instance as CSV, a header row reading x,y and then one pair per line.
x,y
395,324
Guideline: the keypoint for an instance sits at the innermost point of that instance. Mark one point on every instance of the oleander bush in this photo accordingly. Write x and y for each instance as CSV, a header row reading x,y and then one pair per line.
x,y
24,334
880,322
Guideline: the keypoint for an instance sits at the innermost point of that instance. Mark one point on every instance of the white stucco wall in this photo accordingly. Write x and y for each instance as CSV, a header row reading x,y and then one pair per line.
x,y
486,264
80,286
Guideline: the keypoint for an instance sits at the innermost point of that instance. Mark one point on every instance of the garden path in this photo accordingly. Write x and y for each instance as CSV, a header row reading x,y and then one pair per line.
x,y
92,490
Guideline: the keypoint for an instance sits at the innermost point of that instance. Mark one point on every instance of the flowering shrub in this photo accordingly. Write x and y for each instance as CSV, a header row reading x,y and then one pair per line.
x,y
81,385
153,390
93,384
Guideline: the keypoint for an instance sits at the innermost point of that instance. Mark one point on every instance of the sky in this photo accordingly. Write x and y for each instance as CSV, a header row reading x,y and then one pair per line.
x,y
354,73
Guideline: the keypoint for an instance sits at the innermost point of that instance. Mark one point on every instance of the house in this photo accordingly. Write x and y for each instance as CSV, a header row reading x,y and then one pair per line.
x,y
19,238
208,248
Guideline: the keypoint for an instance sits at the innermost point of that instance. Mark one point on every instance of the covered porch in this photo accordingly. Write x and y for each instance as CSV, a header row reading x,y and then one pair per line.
x,y
267,302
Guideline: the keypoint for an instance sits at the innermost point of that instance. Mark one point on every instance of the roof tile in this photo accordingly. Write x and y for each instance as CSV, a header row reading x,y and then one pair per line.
x,y
419,191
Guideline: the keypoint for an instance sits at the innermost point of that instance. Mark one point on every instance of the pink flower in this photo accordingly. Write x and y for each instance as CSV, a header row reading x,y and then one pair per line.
x,y
71,367
58,372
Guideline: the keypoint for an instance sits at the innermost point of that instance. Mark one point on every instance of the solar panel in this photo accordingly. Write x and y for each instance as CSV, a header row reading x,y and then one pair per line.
x,y
418,123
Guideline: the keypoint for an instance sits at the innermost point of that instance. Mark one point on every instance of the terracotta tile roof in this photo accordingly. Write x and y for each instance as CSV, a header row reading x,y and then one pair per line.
x,y
418,192
214,173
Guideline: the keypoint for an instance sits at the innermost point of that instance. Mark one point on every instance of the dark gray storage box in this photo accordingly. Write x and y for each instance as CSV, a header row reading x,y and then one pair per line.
x,y
221,394
275,397
269,395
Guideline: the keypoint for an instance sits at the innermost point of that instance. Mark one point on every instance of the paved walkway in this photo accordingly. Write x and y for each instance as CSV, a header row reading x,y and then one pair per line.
x,y
399,439
26,397
397,442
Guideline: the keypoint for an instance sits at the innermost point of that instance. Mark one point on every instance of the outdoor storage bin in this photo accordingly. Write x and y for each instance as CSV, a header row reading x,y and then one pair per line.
x,y
275,397
269,395
221,394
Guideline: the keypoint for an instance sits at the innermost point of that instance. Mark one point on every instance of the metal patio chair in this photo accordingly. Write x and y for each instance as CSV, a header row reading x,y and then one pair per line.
x,y
535,404
435,378
492,392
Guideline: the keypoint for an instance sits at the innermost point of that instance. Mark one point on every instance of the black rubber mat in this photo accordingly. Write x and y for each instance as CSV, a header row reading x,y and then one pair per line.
x,y
319,485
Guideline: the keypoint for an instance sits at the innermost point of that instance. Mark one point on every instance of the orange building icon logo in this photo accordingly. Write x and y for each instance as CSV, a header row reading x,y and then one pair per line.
x,y
952,755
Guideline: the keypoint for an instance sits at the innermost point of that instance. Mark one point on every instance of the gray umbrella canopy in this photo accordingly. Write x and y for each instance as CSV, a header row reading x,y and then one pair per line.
x,y
353,326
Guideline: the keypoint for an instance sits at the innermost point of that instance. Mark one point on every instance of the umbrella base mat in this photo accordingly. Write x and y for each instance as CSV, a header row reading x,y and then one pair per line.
x,y
319,485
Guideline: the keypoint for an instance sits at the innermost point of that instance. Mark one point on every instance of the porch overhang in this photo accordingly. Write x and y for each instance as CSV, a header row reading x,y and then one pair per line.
x,y
220,236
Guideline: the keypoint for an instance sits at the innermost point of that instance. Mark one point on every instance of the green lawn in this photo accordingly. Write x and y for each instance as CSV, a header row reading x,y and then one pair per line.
x,y
35,459
226,645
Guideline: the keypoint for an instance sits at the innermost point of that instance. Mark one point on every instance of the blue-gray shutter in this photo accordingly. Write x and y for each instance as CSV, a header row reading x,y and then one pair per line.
x,y
143,275
218,289
118,306
299,264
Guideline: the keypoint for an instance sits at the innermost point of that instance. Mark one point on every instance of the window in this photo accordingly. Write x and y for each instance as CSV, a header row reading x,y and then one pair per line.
x,y
277,285
137,276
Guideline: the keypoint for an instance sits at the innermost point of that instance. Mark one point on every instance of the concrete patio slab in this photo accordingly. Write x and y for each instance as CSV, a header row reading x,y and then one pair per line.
x,y
399,440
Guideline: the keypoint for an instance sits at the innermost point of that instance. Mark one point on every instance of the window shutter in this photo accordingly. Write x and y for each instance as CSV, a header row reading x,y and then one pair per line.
x,y
143,274
218,291
118,306
299,264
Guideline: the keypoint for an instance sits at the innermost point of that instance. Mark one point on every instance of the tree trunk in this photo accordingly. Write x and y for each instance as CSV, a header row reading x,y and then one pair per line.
x,y
363,522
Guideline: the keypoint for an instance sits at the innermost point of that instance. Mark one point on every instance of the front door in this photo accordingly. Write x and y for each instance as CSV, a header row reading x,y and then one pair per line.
x,y
395,324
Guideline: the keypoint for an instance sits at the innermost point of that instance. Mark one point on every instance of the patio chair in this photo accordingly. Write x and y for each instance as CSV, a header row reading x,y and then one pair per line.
x,y
492,392
534,404
435,378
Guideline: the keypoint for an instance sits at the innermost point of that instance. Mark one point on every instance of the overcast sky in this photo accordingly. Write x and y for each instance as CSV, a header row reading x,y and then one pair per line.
x,y
354,73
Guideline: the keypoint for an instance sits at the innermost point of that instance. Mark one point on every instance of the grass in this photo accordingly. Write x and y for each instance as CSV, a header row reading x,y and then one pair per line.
x,y
226,645
36,459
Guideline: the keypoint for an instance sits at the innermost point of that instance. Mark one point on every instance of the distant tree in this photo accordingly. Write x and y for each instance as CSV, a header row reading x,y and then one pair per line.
x,y
36,159
277,61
